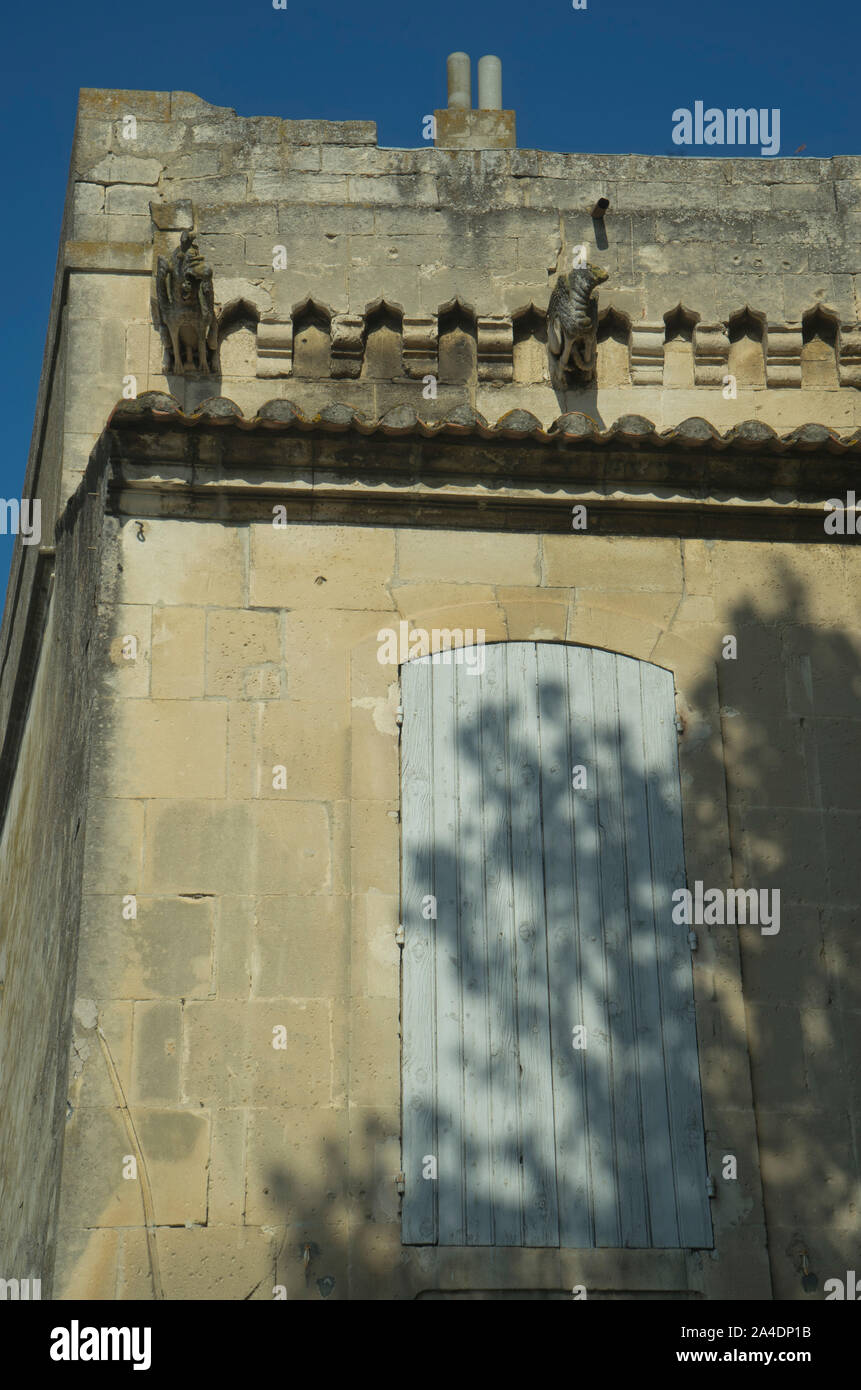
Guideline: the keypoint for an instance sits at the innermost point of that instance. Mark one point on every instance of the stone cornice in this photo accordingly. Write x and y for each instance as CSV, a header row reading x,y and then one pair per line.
x,y
463,472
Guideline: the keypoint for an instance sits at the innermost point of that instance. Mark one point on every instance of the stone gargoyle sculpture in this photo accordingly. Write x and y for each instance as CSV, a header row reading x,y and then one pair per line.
x,y
572,322
186,306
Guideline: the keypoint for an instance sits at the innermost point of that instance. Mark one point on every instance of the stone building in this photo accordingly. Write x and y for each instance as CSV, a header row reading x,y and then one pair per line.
x,y
336,405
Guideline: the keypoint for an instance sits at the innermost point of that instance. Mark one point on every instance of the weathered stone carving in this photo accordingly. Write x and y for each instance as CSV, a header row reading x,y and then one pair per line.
x,y
849,357
421,344
274,348
495,348
711,354
647,354
186,306
783,346
348,345
572,321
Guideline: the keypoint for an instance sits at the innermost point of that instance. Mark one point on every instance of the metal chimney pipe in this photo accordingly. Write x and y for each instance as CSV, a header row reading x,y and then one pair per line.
x,y
459,81
489,83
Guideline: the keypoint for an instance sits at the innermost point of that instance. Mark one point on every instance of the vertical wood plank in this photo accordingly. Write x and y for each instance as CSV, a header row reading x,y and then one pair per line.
x,y
419,955
471,752
449,1015
593,966
661,1228
504,1063
537,1137
611,726
603,1215
684,1093
566,1004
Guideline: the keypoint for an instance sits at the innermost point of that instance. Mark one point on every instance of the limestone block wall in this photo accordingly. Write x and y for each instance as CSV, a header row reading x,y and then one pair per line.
x,y
399,264
263,906
249,907
396,265
43,801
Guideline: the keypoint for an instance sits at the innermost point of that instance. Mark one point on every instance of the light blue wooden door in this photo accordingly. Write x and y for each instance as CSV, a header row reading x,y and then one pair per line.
x,y
551,1090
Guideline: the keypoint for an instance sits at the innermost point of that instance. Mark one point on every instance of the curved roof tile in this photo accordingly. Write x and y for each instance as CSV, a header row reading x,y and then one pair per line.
x,y
572,427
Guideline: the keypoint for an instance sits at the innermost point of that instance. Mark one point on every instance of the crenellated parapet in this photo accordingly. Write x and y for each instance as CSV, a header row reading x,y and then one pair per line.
x,y
752,351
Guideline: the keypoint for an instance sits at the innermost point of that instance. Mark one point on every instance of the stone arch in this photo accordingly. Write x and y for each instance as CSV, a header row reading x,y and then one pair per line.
x,y
820,330
614,349
237,338
458,344
624,628
679,326
747,334
530,345
383,338
312,340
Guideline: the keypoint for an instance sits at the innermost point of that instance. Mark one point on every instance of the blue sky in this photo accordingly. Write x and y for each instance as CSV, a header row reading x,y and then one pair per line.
x,y
604,79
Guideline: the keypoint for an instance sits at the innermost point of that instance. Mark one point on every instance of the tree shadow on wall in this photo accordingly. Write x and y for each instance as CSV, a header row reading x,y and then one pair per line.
x,y
789,704
790,738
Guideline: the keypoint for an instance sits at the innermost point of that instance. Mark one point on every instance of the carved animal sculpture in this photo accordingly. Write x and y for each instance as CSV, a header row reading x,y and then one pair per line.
x,y
186,305
572,319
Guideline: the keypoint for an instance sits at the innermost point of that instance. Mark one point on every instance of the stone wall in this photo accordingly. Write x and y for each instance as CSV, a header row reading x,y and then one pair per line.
x,y
717,266
402,263
41,852
259,907
253,647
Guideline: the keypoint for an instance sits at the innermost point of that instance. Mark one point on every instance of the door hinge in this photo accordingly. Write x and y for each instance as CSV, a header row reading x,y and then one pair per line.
x,y
399,714
711,1190
400,1183
399,934
692,940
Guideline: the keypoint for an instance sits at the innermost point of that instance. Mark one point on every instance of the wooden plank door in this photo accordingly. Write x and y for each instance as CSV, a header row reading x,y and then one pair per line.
x,y
551,1091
